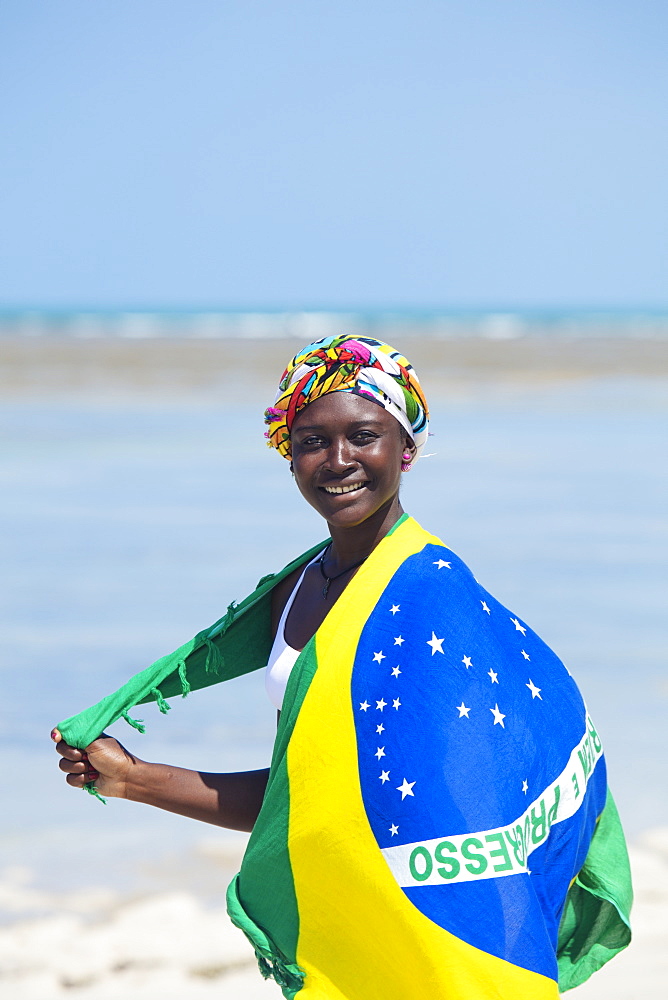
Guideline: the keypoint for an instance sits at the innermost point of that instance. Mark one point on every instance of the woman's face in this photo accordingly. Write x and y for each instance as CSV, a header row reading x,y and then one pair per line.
x,y
346,457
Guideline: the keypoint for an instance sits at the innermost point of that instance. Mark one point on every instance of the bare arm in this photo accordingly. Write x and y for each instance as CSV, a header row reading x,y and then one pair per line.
x,y
229,800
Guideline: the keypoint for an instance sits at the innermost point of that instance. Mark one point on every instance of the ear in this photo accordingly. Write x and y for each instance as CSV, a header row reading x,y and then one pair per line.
x,y
409,445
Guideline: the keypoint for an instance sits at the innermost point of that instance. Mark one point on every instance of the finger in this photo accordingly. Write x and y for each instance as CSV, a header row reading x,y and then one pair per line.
x,y
55,735
76,780
74,767
72,753
89,775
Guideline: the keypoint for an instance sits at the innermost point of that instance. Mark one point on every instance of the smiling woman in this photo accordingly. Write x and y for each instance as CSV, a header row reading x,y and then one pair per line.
x,y
486,858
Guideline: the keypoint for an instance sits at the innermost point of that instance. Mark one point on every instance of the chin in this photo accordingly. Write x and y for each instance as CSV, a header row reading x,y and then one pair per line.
x,y
354,515
343,519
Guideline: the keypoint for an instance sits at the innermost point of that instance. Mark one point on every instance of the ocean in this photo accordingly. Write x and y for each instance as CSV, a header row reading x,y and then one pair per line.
x,y
495,323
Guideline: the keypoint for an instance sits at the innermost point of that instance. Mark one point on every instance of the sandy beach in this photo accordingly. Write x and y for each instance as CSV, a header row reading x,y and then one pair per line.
x,y
67,365
96,945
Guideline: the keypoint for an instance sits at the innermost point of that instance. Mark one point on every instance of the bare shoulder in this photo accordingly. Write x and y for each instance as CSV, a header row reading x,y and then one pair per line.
x,y
279,597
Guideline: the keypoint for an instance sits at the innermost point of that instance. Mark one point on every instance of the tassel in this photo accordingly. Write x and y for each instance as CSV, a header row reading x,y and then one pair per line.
x,y
202,638
286,974
214,660
137,724
228,619
185,684
92,790
162,704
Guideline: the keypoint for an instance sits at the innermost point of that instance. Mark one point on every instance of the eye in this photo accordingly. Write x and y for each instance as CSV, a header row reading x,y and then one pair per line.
x,y
312,441
364,437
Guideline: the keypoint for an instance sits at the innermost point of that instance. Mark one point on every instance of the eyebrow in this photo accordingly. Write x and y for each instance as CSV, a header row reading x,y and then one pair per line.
x,y
355,424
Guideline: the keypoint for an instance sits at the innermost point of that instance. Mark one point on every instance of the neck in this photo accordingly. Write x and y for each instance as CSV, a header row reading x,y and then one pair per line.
x,y
350,544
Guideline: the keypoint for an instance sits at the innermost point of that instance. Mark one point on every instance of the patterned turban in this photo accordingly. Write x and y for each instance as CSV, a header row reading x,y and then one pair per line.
x,y
361,365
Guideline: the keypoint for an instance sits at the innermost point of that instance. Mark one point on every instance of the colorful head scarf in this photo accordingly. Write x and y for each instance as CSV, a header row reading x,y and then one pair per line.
x,y
361,365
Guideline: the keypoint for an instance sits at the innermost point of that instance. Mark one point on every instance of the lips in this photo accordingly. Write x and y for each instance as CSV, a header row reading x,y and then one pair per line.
x,y
340,490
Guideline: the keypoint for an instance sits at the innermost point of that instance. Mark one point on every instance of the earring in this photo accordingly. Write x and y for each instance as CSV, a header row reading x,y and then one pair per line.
x,y
292,469
406,461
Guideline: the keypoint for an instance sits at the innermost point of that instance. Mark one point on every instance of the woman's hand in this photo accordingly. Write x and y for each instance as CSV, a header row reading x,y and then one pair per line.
x,y
105,762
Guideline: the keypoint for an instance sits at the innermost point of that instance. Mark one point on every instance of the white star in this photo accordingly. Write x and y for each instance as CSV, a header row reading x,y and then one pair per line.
x,y
436,644
395,671
525,655
380,728
442,565
406,788
396,704
528,871
381,704
467,661
498,716
398,641
463,711
377,657
395,608
380,752
525,786
364,705
394,830
384,776
492,676
485,608
535,692
518,627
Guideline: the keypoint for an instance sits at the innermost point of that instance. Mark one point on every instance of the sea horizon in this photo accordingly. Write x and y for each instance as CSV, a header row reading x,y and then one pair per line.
x,y
494,322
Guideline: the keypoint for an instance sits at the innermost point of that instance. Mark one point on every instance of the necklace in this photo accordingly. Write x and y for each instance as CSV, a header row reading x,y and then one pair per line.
x,y
330,579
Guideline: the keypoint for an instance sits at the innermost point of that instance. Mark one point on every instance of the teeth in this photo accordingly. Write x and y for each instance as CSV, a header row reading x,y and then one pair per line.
x,y
344,489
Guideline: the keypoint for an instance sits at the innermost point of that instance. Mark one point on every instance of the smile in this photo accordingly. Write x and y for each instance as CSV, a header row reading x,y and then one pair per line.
x,y
344,489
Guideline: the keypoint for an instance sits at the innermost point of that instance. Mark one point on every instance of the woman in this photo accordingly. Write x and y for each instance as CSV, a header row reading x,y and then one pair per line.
x,y
485,859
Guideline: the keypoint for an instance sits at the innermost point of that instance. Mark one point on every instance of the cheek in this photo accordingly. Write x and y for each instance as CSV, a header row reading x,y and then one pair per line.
x,y
394,456
303,463
302,473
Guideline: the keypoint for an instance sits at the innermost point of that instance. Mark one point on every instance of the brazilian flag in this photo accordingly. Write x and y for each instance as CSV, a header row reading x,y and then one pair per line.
x,y
437,821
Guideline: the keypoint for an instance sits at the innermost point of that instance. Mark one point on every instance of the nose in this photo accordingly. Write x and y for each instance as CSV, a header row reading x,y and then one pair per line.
x,y
340,456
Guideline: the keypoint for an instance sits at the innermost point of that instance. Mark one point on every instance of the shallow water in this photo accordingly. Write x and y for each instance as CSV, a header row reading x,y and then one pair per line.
x,y
130,524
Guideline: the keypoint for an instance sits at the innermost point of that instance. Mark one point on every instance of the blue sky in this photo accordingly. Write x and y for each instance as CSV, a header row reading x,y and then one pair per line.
x,y
493,153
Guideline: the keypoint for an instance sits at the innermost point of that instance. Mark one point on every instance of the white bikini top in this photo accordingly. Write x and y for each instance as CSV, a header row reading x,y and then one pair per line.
x,y
283,657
